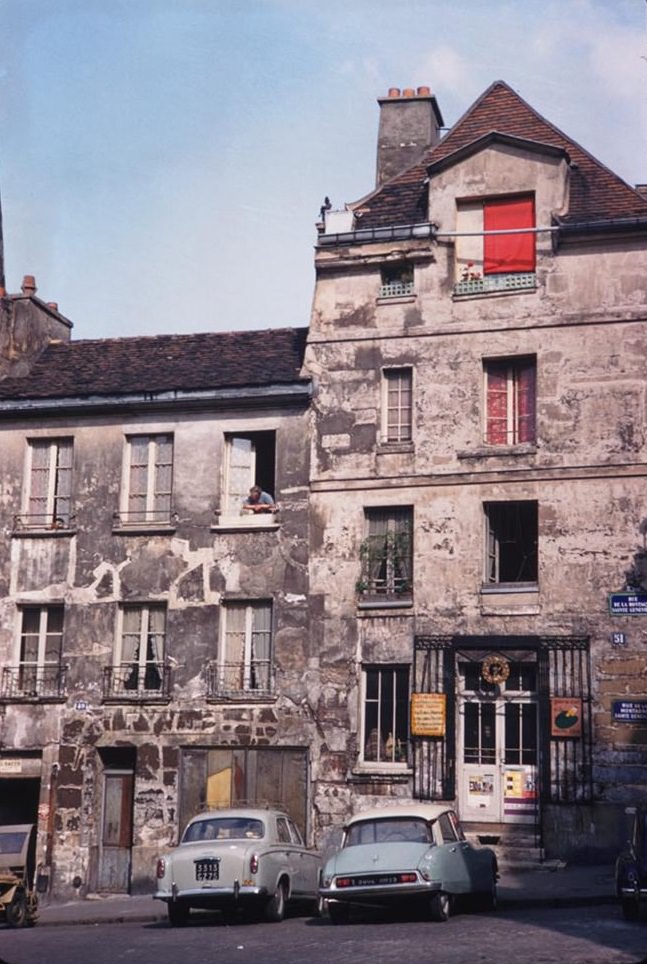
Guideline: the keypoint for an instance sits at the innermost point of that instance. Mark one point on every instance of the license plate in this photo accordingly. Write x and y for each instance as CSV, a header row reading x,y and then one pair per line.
x,y
374,881
207,869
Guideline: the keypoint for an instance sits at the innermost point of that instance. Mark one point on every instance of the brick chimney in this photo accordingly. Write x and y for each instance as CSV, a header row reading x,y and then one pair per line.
x,y
410,123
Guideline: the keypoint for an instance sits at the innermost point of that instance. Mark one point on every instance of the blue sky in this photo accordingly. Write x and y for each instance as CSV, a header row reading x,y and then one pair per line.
x,y
162,162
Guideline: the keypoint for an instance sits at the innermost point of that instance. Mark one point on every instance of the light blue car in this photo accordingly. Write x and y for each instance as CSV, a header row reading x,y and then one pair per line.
x,y
407,852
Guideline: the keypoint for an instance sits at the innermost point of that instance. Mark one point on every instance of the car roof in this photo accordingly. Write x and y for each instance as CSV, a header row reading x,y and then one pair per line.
x,y
254,814
423,811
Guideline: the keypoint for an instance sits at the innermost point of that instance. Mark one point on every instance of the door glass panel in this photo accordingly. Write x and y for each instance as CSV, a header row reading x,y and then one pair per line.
x,y
520,733
529,733
480,733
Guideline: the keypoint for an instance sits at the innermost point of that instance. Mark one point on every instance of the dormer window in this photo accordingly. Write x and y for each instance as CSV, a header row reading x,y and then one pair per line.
x,y
397,280
493,252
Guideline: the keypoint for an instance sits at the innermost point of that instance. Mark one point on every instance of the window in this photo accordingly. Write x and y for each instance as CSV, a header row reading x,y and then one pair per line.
x,y
396,406
397,280
139,658
47,503
511,544
510,390
250,461
40,671
149,475
386,554
386,714
496,261
245,660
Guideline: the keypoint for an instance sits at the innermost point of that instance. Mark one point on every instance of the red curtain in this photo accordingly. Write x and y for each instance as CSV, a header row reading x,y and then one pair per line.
x,y
526,401
508,253
497,404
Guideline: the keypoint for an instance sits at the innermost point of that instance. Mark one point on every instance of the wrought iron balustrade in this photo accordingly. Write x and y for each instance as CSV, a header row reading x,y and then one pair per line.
x,y
496,282
30,682
43,520
239,680
397,289
137,681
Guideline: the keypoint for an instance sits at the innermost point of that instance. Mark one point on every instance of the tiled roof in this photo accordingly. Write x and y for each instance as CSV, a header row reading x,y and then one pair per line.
x,y
596,193
118,366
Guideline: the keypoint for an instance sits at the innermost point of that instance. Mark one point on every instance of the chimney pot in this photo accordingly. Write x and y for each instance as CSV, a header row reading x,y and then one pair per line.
x,y
410,124
424,91
394,91
28,286
53,305
408,92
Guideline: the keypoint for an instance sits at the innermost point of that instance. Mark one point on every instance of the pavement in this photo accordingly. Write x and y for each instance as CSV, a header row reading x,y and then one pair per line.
x,y
552,884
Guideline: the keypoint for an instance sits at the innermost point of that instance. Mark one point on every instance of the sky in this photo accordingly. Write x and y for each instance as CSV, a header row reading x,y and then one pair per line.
x,y
163,162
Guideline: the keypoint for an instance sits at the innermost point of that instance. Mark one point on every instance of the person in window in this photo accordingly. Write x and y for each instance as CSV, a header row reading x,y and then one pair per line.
x,y
258,501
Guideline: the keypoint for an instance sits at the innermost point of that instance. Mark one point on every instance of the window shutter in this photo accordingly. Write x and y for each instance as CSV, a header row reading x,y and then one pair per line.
x,y
497,404
526,401
507,253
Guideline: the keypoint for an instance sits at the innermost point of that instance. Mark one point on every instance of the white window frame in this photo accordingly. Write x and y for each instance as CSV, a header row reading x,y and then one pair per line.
x,y
513,366
52,517
248,660
403,376
121,663
40,662
152,516
385,764
233,500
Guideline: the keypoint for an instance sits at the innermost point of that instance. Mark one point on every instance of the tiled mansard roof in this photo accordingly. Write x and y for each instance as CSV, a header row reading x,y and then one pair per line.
x,y
162,363
596,193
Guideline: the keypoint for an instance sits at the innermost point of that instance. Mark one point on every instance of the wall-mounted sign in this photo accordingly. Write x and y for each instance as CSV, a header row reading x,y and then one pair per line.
x,y
618,639
630,711
80,705
428,714
628,603
11,764
565,716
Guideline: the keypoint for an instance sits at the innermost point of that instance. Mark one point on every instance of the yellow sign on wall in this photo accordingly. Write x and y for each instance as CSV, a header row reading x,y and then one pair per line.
x,y
428,714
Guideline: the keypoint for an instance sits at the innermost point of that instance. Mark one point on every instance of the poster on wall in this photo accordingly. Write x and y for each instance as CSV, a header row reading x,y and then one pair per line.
x,y
428,714
565,716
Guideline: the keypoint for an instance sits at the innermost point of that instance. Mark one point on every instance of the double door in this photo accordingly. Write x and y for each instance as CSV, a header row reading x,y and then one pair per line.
x,y
497,764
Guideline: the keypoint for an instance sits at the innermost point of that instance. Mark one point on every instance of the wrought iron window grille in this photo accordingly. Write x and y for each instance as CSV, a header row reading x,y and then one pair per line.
x,y
32,682
137,681
240,680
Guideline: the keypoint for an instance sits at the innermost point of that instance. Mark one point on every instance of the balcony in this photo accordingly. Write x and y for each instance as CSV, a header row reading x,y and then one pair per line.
x,y
397,289
496,282
32,684
137,683
28,522
249,681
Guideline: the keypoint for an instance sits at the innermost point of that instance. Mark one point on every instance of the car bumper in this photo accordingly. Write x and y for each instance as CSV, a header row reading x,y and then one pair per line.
x,y
212,895
381,892
629,890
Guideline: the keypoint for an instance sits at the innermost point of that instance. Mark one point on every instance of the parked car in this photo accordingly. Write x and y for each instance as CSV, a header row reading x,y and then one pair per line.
x,y
631,867
254,858
18,899
404,853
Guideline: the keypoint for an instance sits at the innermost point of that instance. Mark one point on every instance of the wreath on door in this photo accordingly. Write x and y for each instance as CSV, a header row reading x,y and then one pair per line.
x,y
495,669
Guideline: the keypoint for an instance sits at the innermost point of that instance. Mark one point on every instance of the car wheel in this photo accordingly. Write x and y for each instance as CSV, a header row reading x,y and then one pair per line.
x,y
16,912
178,914
487,900
630,908
275,907
440,906
338,913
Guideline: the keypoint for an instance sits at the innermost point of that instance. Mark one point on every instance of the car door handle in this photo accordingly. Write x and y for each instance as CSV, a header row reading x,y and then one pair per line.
x,y
452,850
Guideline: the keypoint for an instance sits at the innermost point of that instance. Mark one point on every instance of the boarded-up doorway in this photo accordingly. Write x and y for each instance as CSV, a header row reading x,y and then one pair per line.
x,y
225,777
116,823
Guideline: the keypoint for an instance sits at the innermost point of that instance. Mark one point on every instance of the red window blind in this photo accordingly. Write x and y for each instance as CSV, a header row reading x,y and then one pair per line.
x,y
526,404
507,253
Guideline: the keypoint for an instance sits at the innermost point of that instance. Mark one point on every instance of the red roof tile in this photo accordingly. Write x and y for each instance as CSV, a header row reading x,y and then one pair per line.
x,y
596,193
118,366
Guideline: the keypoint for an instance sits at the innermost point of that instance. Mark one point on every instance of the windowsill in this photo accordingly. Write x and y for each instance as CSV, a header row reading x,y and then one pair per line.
x,y
496,451
510,599
263,520
44,533
385,603
242,698
508,588
394,448
29,698
143,528
395,299
127,699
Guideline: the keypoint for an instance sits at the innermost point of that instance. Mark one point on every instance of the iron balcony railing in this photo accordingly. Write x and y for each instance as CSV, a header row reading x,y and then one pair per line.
x,y
33,682
137,681
397,289
43,520
496,282
240,680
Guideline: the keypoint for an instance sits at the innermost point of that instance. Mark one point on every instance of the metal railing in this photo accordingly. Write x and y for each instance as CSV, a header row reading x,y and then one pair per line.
x,y
397,289
135,681
43,520
496,282
239,680
33,682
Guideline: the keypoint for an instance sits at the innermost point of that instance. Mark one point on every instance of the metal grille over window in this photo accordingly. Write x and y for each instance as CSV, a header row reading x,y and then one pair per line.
x,y
386,714
397,281
434,757
386,554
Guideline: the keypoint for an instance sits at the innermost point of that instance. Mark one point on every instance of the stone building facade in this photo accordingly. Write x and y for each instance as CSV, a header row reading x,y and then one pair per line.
x,y
456,447
478,344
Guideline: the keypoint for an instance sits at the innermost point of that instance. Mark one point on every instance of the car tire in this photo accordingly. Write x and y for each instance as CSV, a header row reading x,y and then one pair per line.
x,y
338,913
275,907
487,901
630,908
16,912
440,907
178,914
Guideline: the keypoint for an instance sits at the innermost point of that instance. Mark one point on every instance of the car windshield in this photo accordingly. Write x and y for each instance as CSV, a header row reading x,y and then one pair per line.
x,y
12,843
224,828
389,830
